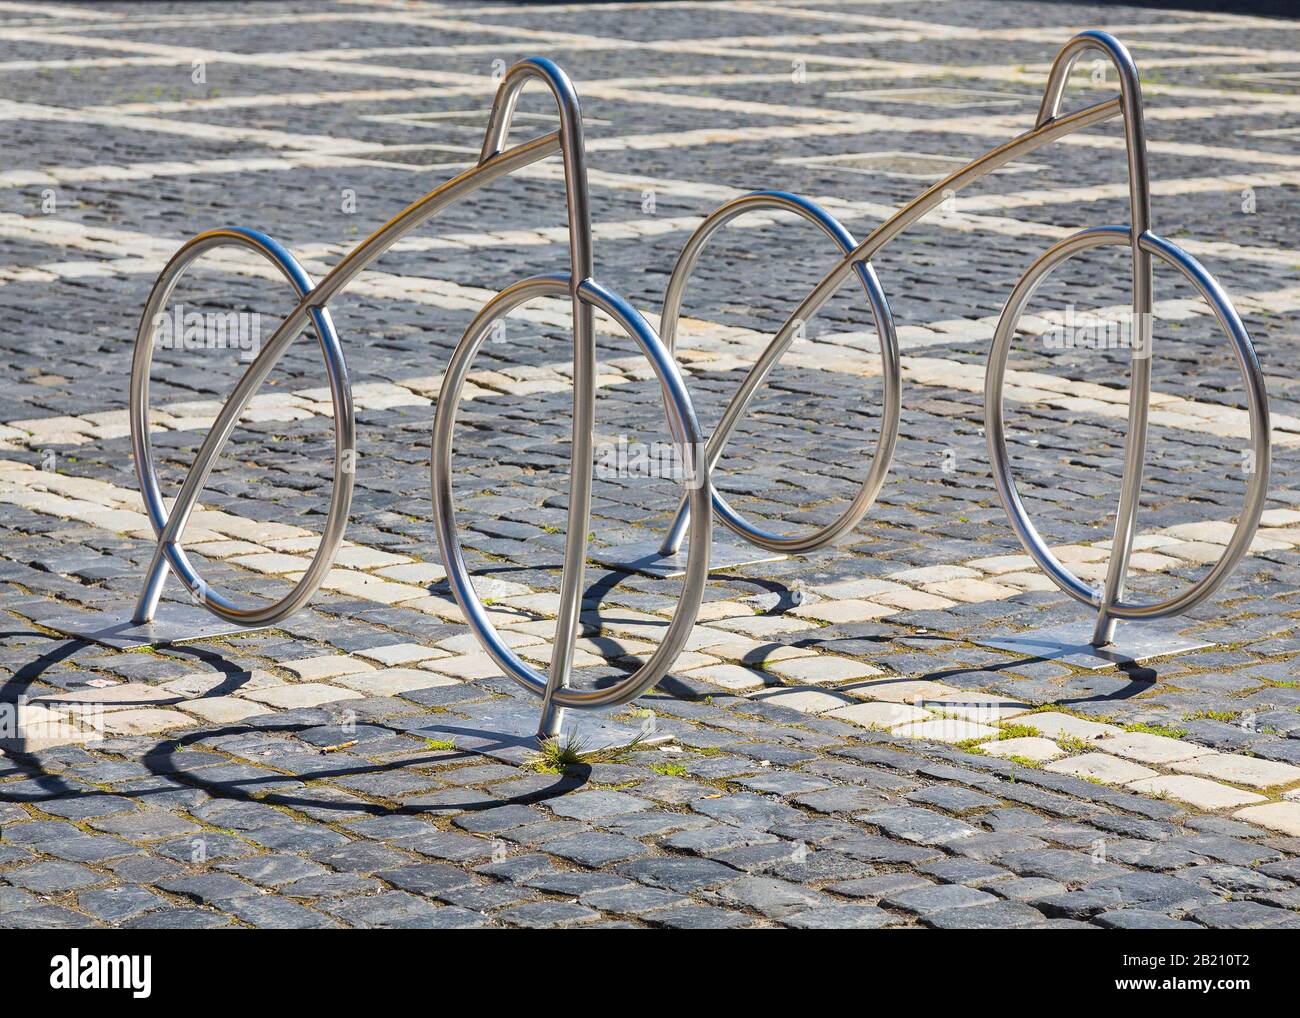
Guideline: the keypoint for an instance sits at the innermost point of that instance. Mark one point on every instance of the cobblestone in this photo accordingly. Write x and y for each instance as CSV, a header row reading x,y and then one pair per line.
x,y
849,757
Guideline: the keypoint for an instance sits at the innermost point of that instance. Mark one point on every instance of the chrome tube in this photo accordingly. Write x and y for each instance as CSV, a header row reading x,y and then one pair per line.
x,y
1256,408
683,428
169,527
744,395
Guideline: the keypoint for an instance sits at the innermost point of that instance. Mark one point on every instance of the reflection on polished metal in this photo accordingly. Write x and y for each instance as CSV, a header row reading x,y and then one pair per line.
x,y
1102,648
1098,648
155,622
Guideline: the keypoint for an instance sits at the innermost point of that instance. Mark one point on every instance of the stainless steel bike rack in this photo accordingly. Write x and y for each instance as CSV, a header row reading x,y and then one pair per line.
x,y
212,614
691,526
1100,647
662,558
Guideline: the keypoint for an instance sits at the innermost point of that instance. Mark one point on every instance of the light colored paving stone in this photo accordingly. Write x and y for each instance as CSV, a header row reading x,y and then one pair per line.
x,y
372,588
1198,792
1110,770
705,638
685,662
879,714
913,600
392,681
986,708
836,612
821,668
612,648
1240,770
541,654
300,694
755,652
1067,726
146,721
467,643
202,683
355,556
945,730
970,591
1197,552
765,625
808,699
126,693
35,727
464,666
1283,817
272,563
400,654
711,611
223,709
735,677
314,669
1026,581
998,564
1153,749
1028,747
865,588
901,690
419,574
934,574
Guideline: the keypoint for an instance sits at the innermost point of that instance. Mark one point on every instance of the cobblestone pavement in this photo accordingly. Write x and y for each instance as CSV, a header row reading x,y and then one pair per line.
x,y
845,754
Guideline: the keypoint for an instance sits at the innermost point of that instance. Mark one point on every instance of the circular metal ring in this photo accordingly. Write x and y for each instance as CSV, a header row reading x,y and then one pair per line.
x,y
344,429
782,201
685,432
1256,401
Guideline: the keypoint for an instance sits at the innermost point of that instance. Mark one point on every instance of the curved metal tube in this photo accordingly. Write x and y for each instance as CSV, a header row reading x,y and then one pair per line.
x,y
1130,94
892,398
1257,410
685,431
170,526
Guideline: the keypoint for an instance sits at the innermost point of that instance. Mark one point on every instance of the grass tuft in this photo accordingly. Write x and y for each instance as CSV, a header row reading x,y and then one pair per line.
x,y
558,753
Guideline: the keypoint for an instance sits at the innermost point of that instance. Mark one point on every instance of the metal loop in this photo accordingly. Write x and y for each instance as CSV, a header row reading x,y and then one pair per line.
x,y
891,402
169,525
685,432
1257,409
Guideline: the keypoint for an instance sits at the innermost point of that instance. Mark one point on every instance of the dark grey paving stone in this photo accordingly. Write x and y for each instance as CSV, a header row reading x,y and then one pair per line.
x,y
699,917
596,805
683,875
1241,915
841,917
53,877
1000,915
771,897
117,904
632,900
595,849
179,919
1153,892
547,914
1141,919
399,910
921,826
923,901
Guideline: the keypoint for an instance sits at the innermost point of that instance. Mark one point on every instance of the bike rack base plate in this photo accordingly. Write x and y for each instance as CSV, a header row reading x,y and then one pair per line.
x,y
503,729
172,623
644,557
1070,644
